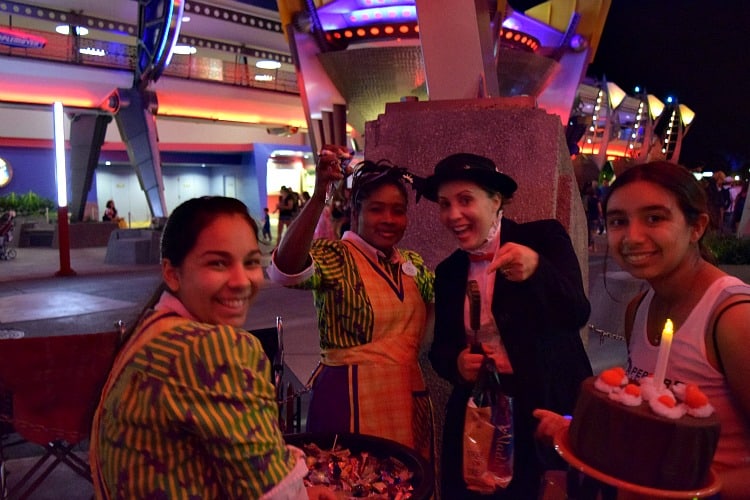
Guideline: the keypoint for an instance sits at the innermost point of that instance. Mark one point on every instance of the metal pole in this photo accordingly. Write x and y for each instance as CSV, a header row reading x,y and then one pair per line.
x,y
63,239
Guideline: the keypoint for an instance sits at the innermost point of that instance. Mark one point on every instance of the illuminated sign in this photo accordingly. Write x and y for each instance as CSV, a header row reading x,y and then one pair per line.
x,y
15,38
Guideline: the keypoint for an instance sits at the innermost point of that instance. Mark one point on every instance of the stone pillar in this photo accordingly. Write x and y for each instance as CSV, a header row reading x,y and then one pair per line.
x,y
526,143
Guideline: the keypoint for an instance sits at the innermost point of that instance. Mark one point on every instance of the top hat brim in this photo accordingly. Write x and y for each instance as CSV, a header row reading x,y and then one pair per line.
x,y
492,180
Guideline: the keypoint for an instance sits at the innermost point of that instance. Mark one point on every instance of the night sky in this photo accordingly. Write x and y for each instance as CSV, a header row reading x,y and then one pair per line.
x,y
696,51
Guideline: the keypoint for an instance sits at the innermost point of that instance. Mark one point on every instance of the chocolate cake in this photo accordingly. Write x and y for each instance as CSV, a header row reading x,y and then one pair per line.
x,y
634,444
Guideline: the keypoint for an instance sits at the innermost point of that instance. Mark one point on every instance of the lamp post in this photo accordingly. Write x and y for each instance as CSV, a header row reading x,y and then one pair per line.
x,y
62,192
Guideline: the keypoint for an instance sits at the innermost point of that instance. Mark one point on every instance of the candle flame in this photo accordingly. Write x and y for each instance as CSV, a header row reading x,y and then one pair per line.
x,y
668,327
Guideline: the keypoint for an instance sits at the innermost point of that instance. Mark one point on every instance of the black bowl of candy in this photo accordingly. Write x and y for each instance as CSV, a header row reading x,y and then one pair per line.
x,y
362,466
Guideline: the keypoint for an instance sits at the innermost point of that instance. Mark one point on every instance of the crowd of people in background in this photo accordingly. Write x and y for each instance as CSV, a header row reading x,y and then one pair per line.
x,y
333,222
726,201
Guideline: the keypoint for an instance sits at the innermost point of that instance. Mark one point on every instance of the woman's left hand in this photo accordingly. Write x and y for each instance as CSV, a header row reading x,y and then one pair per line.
x,y
515,262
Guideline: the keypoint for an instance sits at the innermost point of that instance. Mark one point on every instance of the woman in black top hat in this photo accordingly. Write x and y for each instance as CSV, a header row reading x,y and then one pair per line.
x,y
533,305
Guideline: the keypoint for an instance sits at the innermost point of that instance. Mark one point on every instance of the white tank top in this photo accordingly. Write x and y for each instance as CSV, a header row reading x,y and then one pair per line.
x,y
688,364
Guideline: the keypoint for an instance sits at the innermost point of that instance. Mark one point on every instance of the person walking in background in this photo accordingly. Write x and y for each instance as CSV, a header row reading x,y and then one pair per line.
x,y
739,207
373,301
189,410
593,207
718,200
533,305
287,209
304,198
266,234
602,192
657,216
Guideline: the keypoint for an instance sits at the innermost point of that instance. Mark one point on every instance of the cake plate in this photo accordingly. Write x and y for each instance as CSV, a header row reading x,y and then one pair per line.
x,y
562,446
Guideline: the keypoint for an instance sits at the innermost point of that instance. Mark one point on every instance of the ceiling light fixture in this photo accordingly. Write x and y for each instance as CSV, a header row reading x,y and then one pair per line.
x,y
268,64
64,29
184,50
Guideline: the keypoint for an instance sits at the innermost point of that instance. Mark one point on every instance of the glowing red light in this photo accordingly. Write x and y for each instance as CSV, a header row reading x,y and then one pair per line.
x,y
361,32
337,35
348,34
374,31
403,28
416,29
388,30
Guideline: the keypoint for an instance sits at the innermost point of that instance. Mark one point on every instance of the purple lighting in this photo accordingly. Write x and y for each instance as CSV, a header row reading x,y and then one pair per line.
x,y
342,14
366,16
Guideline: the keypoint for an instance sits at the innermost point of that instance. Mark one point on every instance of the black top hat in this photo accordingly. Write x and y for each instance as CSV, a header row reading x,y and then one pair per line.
x,y
470,167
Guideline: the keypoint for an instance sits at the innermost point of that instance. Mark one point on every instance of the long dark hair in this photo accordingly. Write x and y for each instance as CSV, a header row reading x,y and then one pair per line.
x,y
690,195
181,232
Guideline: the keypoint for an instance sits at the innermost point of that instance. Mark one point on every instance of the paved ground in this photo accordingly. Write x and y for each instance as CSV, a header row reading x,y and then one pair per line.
x,y
35,301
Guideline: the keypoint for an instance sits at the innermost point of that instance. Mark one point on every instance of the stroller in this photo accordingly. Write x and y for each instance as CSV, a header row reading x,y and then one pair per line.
x,y
6,235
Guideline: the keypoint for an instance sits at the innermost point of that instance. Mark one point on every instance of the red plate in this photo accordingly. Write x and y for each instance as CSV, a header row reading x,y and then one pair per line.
x,y
562,446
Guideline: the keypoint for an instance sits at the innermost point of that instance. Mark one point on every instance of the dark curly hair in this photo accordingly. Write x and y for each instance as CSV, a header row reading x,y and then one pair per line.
x,y
370,176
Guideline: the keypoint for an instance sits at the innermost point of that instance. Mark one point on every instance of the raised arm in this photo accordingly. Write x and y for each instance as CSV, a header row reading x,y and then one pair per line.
x,y
294,249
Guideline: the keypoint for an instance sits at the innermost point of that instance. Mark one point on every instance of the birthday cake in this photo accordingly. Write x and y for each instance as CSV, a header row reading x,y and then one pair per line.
x,y
657,438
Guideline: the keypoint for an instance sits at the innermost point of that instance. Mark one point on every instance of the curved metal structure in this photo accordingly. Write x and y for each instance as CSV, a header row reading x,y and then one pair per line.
x,y
159,24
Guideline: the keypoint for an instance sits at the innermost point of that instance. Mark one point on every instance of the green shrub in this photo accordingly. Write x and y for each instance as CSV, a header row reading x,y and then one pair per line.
x,y
728,249
26,204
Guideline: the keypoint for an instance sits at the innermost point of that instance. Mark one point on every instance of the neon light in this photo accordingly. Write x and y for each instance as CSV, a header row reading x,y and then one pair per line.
x,y
15,38
60,174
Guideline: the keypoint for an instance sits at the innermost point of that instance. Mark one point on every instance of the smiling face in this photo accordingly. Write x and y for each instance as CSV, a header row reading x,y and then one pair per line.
x,y
221,274
648,233
468,211
381,220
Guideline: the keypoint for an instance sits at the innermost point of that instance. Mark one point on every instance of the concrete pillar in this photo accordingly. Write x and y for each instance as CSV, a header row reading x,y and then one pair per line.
x,y
457,48
526,143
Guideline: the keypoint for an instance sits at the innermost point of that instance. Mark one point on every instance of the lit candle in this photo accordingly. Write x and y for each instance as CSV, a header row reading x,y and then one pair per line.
x,y
661,361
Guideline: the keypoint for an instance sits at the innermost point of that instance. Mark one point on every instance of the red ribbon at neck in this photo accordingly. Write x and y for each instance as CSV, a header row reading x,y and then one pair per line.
x,y
479,257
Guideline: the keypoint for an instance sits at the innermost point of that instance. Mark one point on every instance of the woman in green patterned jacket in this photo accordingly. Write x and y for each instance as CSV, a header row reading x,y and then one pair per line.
x,y
373,302
189,408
